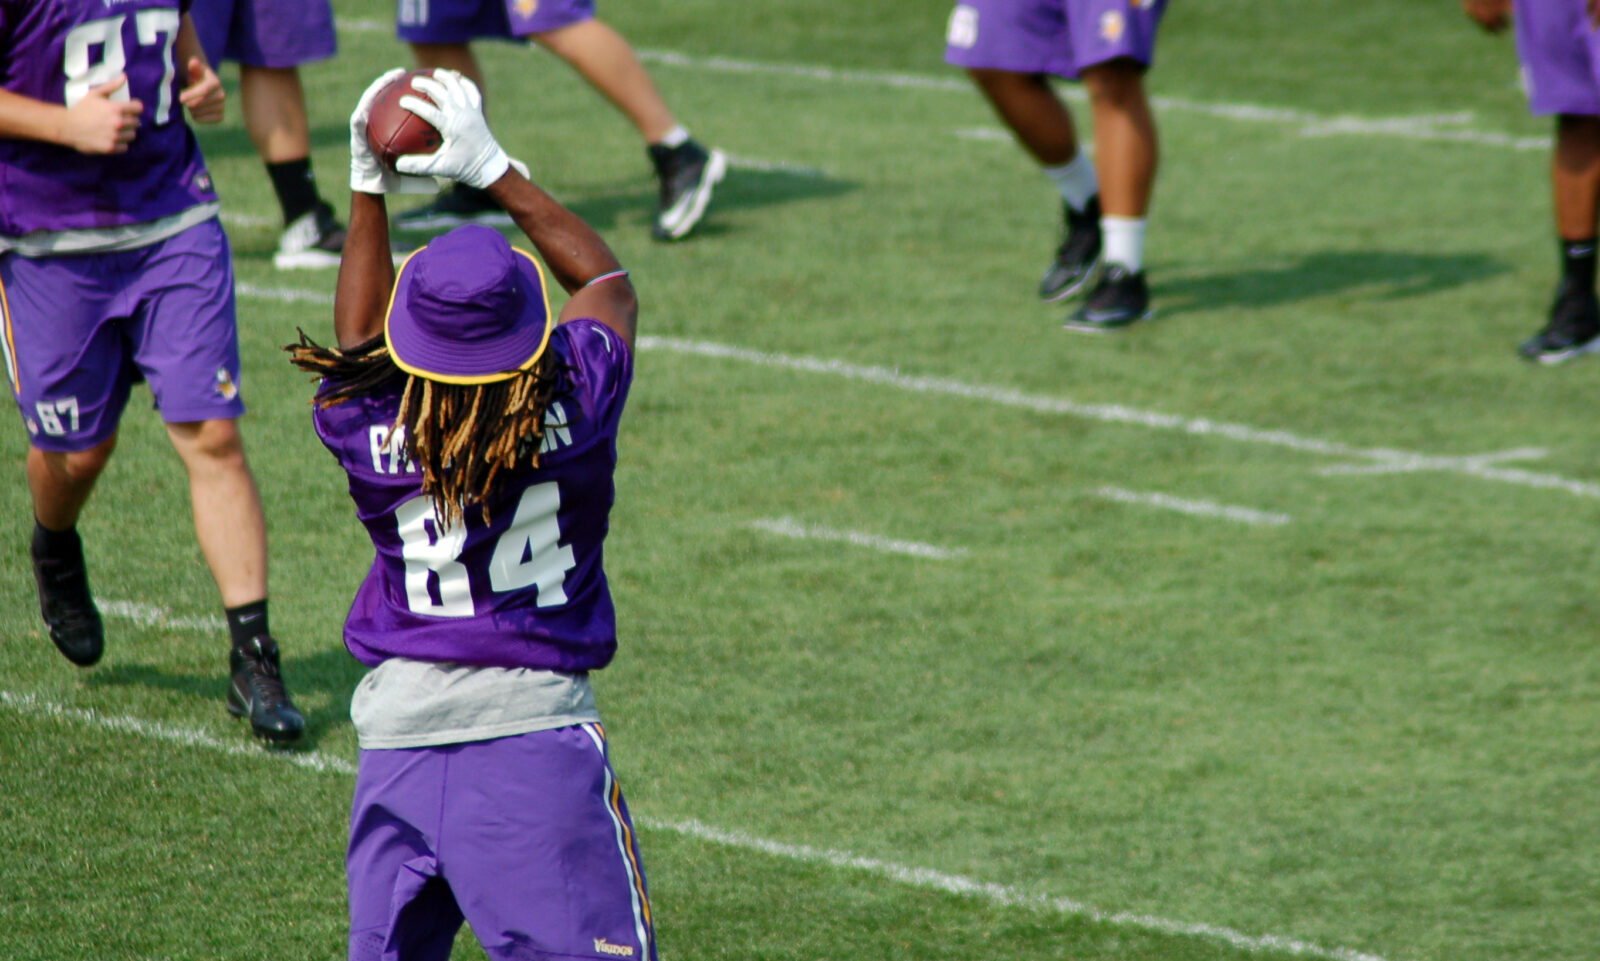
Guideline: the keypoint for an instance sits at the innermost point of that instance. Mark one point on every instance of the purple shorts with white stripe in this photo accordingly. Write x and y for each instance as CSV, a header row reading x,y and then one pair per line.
x,y
527,838
80,329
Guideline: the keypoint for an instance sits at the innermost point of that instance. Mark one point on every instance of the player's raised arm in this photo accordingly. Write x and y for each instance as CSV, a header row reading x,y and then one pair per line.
x,y
366,269
580,260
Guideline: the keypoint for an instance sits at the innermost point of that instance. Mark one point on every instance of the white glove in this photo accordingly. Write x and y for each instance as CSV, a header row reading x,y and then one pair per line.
x,y
469,153
368,175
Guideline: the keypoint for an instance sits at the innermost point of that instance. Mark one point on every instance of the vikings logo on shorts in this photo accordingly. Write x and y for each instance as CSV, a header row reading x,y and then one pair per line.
x,y
963,29
1111,26
226,388
526,8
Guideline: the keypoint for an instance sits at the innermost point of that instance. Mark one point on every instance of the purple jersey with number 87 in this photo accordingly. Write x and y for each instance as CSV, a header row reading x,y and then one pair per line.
x,y
526,589
57,52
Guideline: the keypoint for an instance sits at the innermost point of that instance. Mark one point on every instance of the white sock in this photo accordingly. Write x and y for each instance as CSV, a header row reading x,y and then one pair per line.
x,y
1124,241
1076,180
675,137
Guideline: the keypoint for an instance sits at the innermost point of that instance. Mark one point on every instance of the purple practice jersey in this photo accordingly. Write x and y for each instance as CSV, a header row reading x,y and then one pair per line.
x,y
525,590
57,51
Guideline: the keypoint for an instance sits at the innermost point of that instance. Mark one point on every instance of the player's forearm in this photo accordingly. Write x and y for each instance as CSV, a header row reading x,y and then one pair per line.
x,y
570,248
24,118
187,45
366,272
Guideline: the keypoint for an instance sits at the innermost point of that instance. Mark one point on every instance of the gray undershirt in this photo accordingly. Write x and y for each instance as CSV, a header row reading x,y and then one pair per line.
x,y
103,240
404,703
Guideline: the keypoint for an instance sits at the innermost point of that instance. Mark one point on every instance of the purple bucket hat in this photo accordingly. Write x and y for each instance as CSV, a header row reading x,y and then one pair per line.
x,y
468,308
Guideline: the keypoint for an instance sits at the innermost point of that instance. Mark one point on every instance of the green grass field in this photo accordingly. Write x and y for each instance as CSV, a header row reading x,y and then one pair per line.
x,y
1340,705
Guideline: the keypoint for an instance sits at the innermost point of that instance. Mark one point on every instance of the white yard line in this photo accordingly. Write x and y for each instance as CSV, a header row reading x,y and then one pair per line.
x,y
1479,466
1376,460
1445,128
1012,896
287,295
925,878
148,615
159,731
789,527
1243,515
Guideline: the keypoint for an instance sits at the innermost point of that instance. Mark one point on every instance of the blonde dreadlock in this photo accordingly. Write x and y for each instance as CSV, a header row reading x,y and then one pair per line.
x,y
460,436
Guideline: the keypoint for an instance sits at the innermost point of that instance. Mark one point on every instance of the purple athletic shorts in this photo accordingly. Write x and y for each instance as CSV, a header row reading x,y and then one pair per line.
x,y
265,33
1060,37
81,329
1560,54
525,837
460,21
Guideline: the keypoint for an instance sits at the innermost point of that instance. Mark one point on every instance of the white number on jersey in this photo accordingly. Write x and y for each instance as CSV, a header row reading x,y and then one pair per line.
x,y
528,554
105,35
430,555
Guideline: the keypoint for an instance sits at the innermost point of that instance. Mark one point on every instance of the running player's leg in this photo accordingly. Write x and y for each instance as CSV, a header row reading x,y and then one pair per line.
x,y
1113,44
186,345
1561,68
69,375
1011,51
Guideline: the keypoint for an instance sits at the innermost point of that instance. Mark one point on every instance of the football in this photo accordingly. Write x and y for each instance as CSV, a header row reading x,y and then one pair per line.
x,y
392,130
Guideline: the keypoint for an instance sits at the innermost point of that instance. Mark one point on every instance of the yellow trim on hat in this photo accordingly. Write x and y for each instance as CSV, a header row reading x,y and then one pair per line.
x,y
471,379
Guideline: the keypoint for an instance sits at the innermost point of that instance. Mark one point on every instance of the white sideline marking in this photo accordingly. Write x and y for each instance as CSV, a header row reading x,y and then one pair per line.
x,y
288,295
1000,894
1008,896
1479,466
1447,128
789,527
1435,127
155,730
148,615
1382,460
246,220
776,166
1401,465
1243,515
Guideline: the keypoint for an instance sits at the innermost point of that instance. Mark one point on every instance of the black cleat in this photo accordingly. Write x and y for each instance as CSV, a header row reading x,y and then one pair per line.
x,y
1119,299
69,610
315,239
1573,330
452,208
687,172
256,691
1078,255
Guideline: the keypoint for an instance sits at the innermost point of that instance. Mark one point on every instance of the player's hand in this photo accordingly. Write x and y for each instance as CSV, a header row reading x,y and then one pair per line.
x,y
469,153
368,175
97,124
204,95
1494,15
1592,8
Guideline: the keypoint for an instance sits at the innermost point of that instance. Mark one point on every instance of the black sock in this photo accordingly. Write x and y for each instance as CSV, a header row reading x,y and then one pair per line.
x,y
292,180
1578,263
247,621
49,545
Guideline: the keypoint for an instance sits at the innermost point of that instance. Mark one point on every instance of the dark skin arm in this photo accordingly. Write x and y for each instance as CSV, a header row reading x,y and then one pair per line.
x,y
366,273
571,249
574,253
